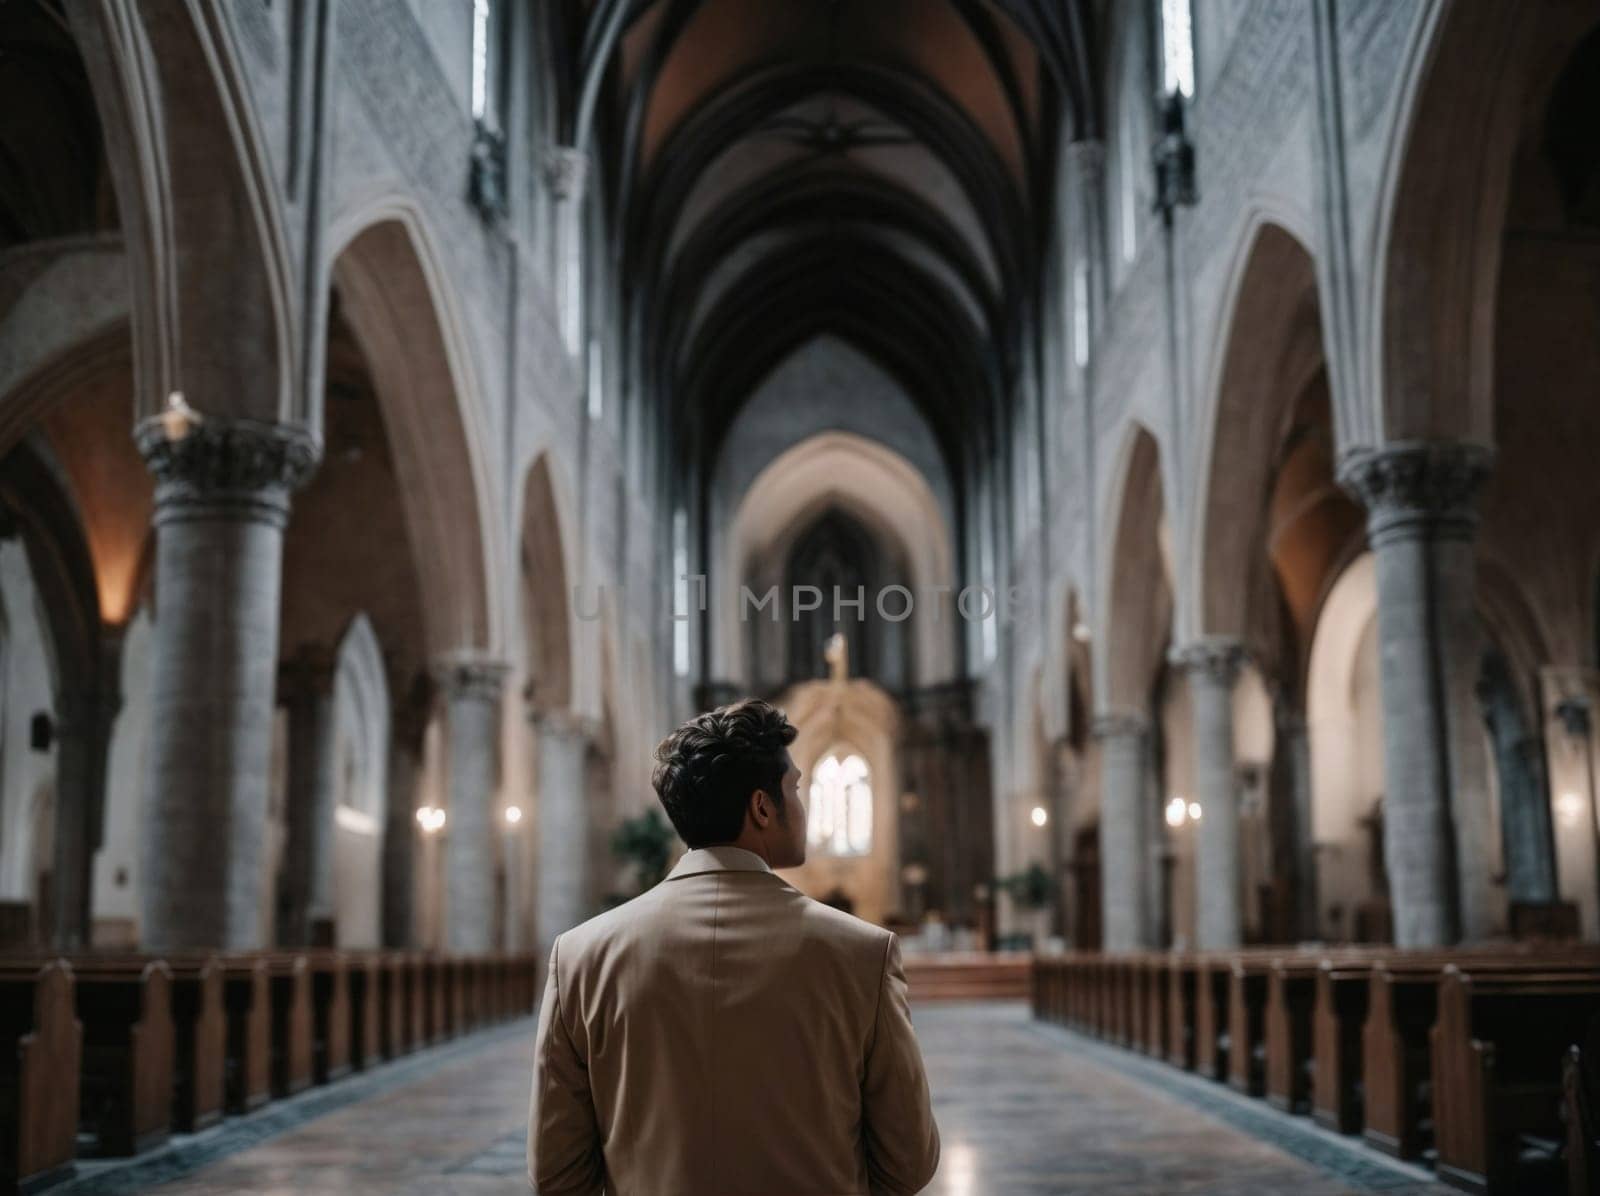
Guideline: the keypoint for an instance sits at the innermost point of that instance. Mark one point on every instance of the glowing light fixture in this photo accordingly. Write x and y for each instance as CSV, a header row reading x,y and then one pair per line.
x,y
1176,812
1569,809
513,815
1040,816
1194,811
431,819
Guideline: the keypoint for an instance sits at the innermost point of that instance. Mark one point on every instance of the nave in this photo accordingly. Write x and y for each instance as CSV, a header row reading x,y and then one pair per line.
x,y
1024,1109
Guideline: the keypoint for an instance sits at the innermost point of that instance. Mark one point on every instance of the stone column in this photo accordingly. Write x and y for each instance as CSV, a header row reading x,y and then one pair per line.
x,y
221,503
306,690
1123,858
84,719
566,172
1420,524
407,724
1212,665
472,702
564,882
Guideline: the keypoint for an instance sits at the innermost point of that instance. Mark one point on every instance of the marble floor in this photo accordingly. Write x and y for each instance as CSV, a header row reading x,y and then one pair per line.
x,y
1023,1109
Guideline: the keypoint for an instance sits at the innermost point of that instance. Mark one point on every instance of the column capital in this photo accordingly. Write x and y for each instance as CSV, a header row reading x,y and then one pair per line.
x,y
1119,724
566,171
1417,488
1216,658
470,678
216,464
562,723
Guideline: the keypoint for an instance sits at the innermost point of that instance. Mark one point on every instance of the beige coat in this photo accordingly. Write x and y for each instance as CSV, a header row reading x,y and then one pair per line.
x,y
725,1035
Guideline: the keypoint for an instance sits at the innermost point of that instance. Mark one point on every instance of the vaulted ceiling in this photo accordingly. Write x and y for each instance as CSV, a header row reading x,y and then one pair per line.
x,y
881,170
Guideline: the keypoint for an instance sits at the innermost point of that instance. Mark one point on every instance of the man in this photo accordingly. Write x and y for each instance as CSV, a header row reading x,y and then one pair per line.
x,y
723,1034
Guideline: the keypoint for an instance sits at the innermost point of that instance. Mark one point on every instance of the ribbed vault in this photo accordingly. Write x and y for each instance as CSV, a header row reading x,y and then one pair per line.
x,y
778,170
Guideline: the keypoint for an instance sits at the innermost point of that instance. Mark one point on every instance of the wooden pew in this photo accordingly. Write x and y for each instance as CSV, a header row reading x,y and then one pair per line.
x,y
472,994
1118,999
424,996
1157,992
200,1029
247,1009
41,1050
1183,977
125,1008
1339,1013
1212,977
1247,1037
289,979
364,976
330,1016
441,1014
1291,997
1395,1043
1580,1087
1497,1052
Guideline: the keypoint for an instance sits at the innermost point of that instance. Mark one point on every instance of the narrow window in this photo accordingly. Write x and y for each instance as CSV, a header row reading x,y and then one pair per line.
x,y
1177,48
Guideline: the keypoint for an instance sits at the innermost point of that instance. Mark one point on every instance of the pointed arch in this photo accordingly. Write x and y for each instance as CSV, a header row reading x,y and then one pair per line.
x,y
174,108
1442,210
362,705
1136,607
1273,347
405,318
547,610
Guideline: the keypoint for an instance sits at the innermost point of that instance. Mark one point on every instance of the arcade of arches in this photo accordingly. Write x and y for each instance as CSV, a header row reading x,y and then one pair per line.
x,y
1165,521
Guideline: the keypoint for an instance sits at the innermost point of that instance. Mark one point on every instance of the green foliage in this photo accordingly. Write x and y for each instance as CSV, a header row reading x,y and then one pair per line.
x,y
646,842
1030,889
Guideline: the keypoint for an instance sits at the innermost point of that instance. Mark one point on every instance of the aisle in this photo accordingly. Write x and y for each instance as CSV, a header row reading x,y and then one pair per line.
x,y
1024,1109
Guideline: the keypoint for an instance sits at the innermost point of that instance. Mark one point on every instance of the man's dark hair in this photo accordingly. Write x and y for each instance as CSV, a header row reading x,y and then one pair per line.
x,y
707,769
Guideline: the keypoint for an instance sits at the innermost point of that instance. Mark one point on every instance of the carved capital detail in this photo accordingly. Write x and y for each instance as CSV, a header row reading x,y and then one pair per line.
x,y
245,465
1415,489
1214,658
566,171
471,680
1119,724
562,723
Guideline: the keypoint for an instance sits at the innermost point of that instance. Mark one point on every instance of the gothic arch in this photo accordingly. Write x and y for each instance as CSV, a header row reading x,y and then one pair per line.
x,y
547,610
1442,213
1273,347
876,485
404,316
1136,607
174,108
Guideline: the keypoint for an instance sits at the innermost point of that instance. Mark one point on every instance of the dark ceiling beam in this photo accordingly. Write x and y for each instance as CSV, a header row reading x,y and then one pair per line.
x,y
946,131
896,312
985,32
601,35
800,195
1059,30
673,23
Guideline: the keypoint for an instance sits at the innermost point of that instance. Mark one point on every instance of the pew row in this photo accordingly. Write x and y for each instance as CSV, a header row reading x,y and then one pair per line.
x,y
1466,1059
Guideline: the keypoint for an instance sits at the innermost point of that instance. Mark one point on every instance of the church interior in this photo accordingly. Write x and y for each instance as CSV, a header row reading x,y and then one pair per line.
x,y
1139,443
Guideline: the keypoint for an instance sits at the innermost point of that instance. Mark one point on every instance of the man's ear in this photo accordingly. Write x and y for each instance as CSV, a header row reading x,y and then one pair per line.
x,y
760,806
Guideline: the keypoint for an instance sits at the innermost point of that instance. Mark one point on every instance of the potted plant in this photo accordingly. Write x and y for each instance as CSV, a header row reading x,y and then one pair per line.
x,y
1032,891
646,843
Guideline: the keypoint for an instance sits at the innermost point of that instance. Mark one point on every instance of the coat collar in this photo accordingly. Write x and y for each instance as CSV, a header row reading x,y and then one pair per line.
x,y
722,858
